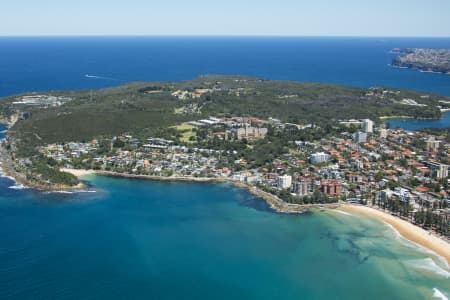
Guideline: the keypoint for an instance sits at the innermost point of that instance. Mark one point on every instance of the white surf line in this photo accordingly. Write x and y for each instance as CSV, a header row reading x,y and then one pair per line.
x,y
438,294
415,245
342,212
18,187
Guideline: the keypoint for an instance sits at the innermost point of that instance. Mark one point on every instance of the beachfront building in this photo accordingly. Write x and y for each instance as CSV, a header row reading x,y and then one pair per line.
x,y
401,194
301,188
284,182
331,188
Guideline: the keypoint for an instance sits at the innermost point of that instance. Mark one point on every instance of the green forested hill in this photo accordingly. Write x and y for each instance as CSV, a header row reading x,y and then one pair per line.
x,y
144,109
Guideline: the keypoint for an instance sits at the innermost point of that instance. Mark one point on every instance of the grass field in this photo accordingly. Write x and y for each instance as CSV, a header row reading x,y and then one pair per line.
x,y
186,131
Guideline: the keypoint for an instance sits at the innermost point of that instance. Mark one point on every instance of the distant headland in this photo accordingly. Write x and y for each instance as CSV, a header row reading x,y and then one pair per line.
x,y
425,60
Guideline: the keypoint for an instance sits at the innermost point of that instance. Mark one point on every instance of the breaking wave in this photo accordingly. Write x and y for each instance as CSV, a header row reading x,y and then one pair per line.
x,y
410,244
342,212
438,294
17,186
428,265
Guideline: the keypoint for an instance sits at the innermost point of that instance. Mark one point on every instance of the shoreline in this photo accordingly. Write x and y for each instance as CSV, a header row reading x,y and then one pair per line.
x,y
418,68
274,202
395,117
384,118
8,170
408,230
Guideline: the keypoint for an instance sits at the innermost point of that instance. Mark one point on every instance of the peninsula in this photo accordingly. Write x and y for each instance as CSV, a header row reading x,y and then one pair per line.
x,y
210,112
296,145
426,60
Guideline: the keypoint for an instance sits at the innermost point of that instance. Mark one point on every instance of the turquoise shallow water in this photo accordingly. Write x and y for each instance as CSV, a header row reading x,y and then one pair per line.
x,y
136,239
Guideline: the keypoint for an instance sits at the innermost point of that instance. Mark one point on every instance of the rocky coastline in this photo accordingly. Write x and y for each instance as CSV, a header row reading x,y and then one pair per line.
x,y
274,202
410,231
425,60
8,170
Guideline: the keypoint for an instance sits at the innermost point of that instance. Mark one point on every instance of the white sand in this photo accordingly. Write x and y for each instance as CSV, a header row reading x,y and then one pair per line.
x,y
406,229
78,173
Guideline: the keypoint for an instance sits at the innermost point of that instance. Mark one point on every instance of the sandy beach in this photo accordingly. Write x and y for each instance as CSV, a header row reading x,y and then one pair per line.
x,y
395,117
79,173
406,229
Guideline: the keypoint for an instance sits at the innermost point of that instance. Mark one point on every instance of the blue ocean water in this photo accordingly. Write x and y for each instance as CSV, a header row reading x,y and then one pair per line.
x,y
136,239
57,63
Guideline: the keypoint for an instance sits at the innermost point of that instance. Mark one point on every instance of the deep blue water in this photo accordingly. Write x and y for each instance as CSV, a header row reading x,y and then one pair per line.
x,y
136,239
39,64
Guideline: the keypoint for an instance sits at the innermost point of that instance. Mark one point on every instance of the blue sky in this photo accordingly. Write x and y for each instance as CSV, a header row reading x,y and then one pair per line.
x,y
226,17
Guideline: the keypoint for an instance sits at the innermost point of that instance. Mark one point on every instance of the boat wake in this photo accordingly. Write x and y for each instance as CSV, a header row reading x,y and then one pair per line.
x,y
100,77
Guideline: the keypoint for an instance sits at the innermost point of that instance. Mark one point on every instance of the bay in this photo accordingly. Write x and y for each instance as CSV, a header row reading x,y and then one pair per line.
x,y
136,239
417,124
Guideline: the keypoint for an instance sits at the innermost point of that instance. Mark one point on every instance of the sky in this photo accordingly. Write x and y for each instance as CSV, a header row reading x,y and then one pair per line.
x,y
385,18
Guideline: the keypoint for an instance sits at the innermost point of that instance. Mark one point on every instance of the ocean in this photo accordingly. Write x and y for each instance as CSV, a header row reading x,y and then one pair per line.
x,y
64,63
136,239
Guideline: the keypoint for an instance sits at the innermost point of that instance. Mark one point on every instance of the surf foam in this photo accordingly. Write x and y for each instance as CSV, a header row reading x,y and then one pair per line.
x,y
438,294
342,212
428,265
414,245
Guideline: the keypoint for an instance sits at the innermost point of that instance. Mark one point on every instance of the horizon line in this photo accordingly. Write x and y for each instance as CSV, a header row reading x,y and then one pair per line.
x,y
218,36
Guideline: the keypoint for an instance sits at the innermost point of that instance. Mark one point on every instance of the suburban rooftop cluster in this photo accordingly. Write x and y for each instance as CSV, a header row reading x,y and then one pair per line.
x,y
404,171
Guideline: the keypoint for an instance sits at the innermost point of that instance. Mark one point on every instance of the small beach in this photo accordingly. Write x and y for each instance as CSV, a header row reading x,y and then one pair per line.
x,y
78,172
395,117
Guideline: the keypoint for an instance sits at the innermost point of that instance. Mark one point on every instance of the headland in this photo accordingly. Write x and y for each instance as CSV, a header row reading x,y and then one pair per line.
x,y
425,60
